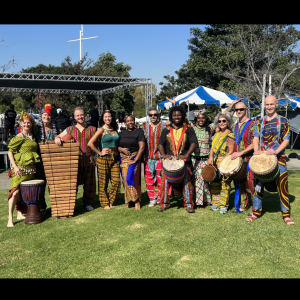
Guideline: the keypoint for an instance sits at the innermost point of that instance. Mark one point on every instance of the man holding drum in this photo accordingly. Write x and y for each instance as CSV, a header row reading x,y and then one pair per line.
x,y
243,148
272,135
152,165
179,138
86,170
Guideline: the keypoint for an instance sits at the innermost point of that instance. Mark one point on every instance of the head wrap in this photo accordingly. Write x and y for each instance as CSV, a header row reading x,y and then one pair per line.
x,y
200,111
46,109
24,115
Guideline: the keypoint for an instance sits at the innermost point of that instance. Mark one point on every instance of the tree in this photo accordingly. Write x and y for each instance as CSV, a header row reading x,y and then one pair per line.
x,y
20,105
139,100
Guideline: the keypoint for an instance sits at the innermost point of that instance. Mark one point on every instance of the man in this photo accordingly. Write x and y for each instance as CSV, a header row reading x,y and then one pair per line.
x,y
186,147
61,121
152,164
9,119
86,170
95,116
243,148
272,135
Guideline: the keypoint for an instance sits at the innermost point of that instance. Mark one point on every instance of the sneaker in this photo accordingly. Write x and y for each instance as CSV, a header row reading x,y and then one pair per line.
x,y
223,210
88,207
214,207
152,203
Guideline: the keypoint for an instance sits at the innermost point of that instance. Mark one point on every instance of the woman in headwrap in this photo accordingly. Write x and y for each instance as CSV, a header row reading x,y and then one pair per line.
x,y
46,131
222,146
22,152
204,131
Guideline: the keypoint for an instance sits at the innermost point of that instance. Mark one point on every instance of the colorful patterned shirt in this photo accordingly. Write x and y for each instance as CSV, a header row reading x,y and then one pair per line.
x,y
83,138
152,135
217,142
246,139
204,140
270,139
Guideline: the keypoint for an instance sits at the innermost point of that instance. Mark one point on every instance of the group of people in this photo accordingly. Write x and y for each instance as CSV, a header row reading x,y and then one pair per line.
x,y
120,155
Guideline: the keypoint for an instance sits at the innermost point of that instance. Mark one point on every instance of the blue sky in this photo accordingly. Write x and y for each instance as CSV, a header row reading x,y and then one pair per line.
x,y
151,50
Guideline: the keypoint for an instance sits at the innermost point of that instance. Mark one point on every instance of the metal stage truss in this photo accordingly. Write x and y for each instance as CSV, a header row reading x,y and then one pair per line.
x,y
73,84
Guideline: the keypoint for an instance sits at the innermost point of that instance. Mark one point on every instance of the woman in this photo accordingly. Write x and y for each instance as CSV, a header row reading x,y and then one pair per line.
x,y
131,146
108,160
46,132
22,152
222,146
200,156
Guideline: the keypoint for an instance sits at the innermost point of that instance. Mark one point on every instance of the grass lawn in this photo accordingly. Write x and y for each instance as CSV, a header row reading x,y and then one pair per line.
x,y
124,243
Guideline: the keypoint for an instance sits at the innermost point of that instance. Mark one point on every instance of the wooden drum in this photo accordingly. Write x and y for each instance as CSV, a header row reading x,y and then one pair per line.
x,y
33,191
236,169
210,173
61,169
266,169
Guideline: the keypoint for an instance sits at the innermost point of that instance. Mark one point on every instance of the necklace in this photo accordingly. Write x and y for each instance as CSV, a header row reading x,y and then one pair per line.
x,y
108,128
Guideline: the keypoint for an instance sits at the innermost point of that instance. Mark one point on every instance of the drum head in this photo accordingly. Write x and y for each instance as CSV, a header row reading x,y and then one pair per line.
x,y
229,166
35,181
173,164
260,164
209,173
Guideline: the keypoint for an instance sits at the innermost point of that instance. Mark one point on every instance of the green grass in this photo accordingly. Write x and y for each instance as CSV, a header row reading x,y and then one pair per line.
x,y
124,243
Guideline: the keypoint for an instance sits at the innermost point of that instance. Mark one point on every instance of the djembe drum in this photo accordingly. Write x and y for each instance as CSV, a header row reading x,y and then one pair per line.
x,y
61,170
235,169
174,173
210,173
266,169
33,191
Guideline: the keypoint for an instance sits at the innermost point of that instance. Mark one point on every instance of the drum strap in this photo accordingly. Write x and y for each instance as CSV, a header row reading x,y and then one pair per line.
x,y
242,133
220,147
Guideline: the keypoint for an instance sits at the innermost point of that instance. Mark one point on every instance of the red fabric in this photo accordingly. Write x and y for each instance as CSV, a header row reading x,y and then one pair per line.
x,y
48,110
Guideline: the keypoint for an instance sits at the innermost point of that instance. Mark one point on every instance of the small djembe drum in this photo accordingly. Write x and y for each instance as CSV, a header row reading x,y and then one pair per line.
x,y
266,169
61,169
210,173
235,169
33,191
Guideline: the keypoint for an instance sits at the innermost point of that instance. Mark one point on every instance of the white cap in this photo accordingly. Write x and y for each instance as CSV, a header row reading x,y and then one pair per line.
x,y
59,110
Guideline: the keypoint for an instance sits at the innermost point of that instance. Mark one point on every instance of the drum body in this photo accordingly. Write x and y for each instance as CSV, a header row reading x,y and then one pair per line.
x,y
266,169
33,191
210,173
173,170
236,169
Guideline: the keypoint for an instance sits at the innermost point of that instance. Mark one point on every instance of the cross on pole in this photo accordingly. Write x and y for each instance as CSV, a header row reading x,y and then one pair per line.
x,y
81,39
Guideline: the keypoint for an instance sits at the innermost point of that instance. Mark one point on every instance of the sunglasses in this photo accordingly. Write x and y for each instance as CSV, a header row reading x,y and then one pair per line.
x,y
152,115
222,121
241,109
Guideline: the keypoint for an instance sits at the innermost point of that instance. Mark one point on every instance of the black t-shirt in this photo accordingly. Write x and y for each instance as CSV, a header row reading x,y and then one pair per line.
x,y
188,139
131,139
94,115
10,117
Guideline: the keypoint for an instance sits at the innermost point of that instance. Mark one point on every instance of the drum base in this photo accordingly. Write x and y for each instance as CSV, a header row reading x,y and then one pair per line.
x,y
33,215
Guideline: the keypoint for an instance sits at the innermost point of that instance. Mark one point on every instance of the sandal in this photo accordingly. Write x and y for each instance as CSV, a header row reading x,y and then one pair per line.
x,y
288,221
251,217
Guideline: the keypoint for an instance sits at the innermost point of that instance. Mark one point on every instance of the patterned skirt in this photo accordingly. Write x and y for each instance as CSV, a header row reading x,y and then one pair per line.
x,y
202,192
131,177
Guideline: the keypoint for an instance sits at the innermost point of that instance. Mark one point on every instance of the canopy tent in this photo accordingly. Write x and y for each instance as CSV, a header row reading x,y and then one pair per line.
x,y
201,95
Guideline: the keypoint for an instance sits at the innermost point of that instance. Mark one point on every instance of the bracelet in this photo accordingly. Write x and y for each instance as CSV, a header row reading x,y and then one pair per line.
x,y
119,148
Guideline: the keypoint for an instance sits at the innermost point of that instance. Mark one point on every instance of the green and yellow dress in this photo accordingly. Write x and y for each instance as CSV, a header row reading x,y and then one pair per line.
x,y
26,158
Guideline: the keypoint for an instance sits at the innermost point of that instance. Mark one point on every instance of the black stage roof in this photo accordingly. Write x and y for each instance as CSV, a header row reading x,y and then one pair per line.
x,y
61,82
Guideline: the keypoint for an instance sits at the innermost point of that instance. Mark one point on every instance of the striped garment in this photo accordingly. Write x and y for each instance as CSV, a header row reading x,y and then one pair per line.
x,y
108,169
83,138
152,135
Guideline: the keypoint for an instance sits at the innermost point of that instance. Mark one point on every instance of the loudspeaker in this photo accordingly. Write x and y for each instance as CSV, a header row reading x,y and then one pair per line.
x,y
121,116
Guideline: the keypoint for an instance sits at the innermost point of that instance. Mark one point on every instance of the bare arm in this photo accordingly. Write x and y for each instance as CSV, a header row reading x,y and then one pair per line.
x,y
18,171
57,139
92,142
